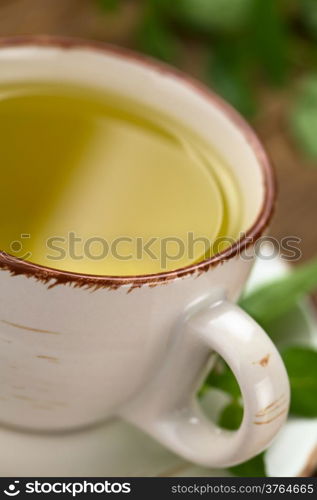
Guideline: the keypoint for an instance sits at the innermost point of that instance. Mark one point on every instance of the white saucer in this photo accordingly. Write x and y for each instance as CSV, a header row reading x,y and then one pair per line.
x,y
117,449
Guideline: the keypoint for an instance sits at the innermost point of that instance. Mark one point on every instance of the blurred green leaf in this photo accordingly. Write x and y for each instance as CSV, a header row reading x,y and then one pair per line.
x,y
252,468
303,53
303,116
154,37
231,416
308,12
274,299
229,75
308,89
213,15
109,5
269,38
221,377
301,365
304,127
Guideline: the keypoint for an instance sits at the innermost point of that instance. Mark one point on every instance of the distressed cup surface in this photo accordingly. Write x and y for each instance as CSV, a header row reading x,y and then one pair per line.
x,y
77,349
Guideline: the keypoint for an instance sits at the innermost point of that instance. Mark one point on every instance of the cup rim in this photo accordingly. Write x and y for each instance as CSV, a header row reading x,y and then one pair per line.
x,y
55,277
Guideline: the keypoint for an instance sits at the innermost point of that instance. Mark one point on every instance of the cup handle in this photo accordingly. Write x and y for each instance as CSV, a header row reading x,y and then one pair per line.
x,y
168,410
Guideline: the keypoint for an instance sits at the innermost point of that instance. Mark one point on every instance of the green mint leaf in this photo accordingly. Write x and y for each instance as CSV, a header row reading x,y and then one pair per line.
x,y
301,366
213,15
221,377
308,88
228,73
303,117
109,5
270,43
304,128
252,468
156,39
274,299
231,416
308,14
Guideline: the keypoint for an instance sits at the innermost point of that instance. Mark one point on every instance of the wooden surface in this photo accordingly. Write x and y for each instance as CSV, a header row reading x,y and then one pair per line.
x,y
297,178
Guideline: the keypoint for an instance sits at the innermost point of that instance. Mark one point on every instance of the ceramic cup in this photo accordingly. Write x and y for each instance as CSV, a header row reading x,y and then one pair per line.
x,y
78,349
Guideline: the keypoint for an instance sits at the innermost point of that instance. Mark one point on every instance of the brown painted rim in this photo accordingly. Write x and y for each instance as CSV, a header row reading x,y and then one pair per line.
x,y
53,276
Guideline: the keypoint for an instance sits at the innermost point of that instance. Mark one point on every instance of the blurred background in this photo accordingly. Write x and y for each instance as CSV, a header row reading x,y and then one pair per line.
x,y
260,55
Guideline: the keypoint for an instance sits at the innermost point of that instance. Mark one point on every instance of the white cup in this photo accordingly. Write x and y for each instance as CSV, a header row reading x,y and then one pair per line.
x,y
78,349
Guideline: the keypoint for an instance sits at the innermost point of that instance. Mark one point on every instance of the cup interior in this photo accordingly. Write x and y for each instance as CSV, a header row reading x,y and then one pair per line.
x,y
160,88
